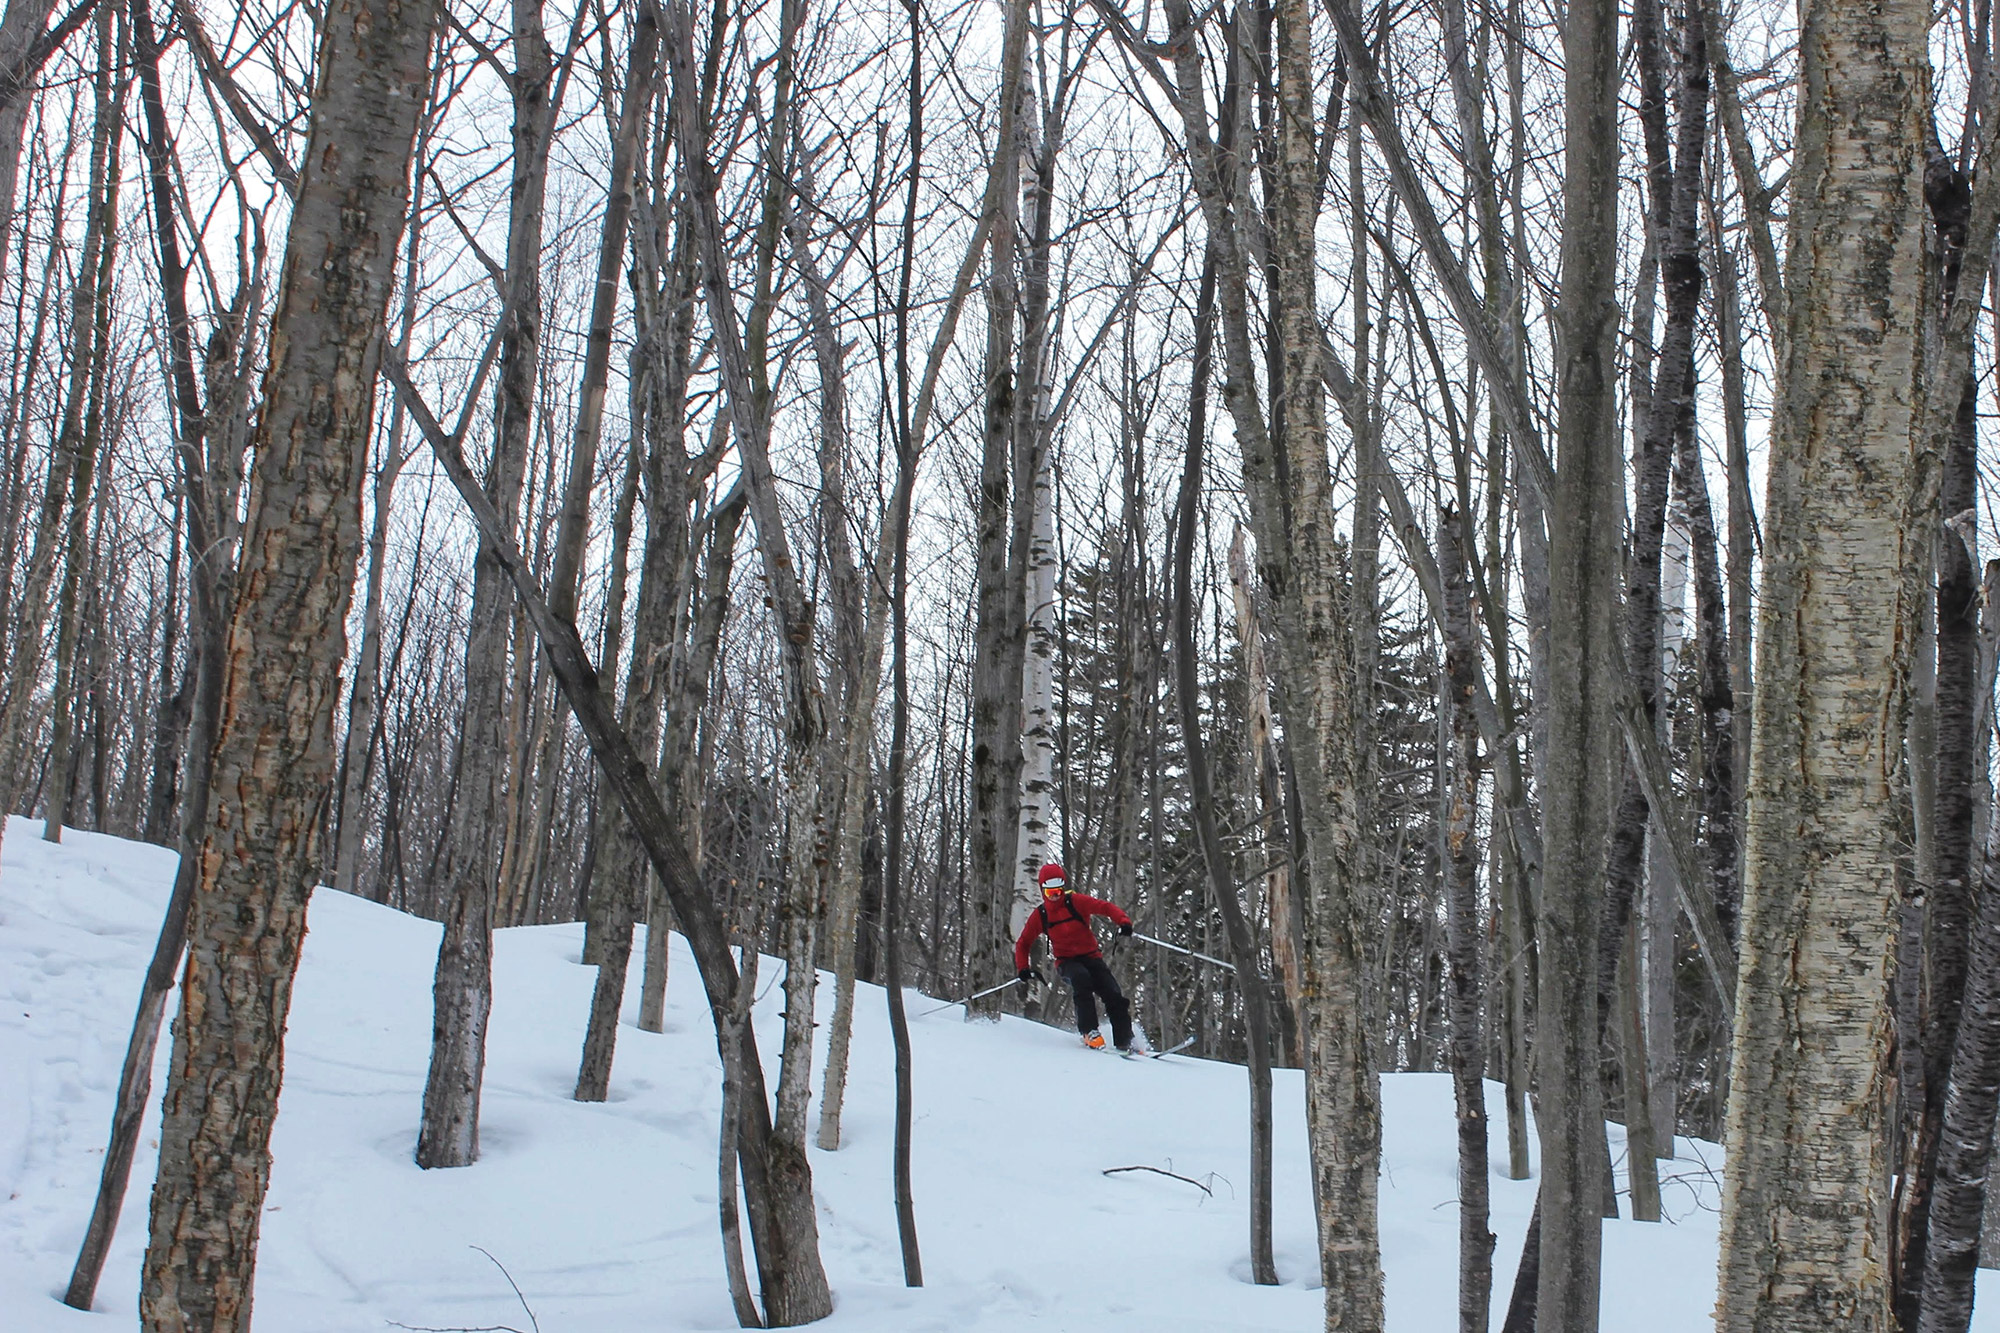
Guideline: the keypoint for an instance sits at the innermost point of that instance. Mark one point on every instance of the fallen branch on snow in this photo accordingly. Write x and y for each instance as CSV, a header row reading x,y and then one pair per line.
x,y
1171,1175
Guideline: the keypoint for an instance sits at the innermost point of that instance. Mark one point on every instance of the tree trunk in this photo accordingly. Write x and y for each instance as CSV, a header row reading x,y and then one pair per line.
x,y
24,653
1468,980
666,314
1804,1203
83,421
999,644
732,1128
1583,646
1712,684
1036,803
1948,892
275,754
679,767
170,722
1243,950
1675,186
462,991
19,32
211,445
1741,552
860,624
1965,1146
1288,484
619,890
1286,940
364,701
777,1177
794,1291
1641,1159
898,555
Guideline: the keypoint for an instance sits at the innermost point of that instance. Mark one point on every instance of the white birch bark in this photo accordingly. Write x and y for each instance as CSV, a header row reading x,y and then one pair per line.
x,y
1656,942
1805,1241
1038,693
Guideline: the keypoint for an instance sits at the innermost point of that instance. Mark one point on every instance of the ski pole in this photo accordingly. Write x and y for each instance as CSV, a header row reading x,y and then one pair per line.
x,y
1189,952
952,1004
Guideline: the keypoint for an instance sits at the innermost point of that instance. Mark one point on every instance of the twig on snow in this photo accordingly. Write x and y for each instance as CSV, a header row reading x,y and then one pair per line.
x,y
1160,1171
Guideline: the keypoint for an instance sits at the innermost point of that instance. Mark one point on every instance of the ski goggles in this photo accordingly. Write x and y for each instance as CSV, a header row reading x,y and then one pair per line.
x,y
1054,888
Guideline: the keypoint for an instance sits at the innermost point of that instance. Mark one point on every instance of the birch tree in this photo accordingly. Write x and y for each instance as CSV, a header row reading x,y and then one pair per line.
x,y
1803,1207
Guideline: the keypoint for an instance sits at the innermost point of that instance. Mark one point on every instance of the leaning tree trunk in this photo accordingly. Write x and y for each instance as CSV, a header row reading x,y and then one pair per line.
x,y
777,1179
1804,1244
211,443
20,31
275,755
749,399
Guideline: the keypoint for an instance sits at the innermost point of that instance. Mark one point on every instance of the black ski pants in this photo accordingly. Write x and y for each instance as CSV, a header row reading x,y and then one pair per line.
x,y
1089,978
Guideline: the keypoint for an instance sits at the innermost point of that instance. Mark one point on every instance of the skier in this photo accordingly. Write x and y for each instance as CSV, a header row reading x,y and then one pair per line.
x,y
1064,917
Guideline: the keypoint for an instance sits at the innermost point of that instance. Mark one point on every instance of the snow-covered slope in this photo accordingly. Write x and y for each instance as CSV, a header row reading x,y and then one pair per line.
x,y
605,1215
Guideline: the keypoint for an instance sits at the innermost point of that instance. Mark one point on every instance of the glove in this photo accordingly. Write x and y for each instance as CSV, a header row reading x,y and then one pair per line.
x,y
1125,931
1028,976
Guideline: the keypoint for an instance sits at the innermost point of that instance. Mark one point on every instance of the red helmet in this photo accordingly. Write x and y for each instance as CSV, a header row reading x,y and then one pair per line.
x,y
1054,882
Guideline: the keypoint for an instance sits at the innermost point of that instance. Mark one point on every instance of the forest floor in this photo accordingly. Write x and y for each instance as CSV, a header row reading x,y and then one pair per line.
x,y
605,1215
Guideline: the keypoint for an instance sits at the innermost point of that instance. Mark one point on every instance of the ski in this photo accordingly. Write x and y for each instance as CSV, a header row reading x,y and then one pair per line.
x,y
1154,1055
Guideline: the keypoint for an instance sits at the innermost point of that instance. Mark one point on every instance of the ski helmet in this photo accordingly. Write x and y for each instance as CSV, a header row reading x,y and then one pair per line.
x,y
1054,882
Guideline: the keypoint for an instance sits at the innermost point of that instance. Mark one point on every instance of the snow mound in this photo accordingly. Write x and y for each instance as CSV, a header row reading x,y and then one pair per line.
x,y
605,1216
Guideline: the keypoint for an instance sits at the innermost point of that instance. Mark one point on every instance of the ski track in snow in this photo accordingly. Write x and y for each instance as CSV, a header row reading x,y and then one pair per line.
x,y
606,1215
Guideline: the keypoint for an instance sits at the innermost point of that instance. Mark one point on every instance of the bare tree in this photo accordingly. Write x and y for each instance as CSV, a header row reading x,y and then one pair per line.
x,y
82,437
1576,802
448,1133
1236,924
1803,1204
1468,1043
275,753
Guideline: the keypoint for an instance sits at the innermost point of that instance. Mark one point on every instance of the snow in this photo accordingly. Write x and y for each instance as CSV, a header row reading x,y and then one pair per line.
x,y
606,1215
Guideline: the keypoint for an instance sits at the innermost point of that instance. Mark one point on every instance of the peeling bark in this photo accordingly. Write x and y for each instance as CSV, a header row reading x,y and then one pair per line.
x,y
287,639
1804,1241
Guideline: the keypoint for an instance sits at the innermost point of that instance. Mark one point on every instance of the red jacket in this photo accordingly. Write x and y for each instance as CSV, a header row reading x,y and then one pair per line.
x,y
1068,926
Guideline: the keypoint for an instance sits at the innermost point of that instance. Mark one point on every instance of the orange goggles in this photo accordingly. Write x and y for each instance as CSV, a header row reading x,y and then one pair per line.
x,y
1055,888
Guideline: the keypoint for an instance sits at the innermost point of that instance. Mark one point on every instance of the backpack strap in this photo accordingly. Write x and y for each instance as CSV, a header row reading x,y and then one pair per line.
x,y
1068,902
